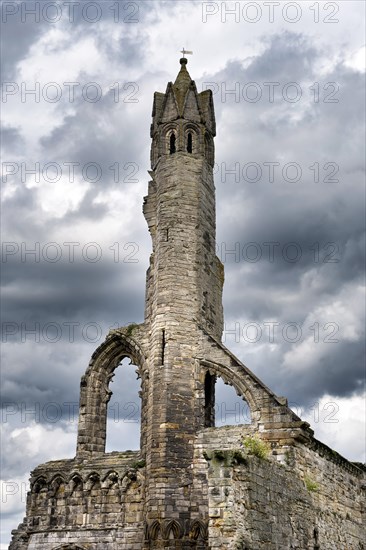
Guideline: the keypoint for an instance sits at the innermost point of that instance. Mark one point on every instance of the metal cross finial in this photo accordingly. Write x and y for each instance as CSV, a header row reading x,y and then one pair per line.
x,y
186,52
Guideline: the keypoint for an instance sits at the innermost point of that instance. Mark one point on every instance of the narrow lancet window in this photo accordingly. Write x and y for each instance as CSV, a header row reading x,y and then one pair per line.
x,y
189,143
209,400
172,143
162,346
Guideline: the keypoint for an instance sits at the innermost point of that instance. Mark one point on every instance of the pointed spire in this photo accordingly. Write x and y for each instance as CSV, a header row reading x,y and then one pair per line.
x,y
182,83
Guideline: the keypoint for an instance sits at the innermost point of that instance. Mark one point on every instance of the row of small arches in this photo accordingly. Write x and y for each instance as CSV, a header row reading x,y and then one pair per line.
x,y
190,143
173,530
76,481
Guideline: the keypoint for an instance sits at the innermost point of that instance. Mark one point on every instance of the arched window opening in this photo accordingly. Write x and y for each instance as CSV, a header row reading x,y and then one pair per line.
x,y
172,140
189,143
210,381
124,409
230,409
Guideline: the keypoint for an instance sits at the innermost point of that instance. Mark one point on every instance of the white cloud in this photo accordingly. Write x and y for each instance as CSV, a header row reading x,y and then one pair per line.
x,y
25,448
28,443
340,424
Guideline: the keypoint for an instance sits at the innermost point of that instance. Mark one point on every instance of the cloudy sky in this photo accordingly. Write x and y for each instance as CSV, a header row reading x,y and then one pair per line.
x,y
78,83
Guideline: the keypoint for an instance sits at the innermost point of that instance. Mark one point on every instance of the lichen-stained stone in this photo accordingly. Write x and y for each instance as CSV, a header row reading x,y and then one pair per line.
x,y
268,485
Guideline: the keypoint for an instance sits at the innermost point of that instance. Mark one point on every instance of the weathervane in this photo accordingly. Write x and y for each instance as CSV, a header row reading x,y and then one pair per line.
x,y
186,52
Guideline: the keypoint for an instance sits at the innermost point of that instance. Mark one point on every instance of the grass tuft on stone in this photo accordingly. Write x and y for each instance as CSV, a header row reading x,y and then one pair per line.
x,y
257,447
311,485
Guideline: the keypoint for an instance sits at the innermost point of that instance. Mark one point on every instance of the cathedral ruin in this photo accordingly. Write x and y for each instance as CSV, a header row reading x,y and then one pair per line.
x,y
267,485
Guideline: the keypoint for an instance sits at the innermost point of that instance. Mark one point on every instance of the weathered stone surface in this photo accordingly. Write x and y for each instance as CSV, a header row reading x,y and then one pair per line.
x,y
298,497
191,485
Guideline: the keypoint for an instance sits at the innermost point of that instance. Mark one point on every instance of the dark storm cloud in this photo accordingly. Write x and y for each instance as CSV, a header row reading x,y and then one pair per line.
x,y
16,38
43,373
20,28
50,372
54,317
304,212
89,136
11,140
58,290
338,372
323,219
19,209
288,56
131,51
38,293
25,221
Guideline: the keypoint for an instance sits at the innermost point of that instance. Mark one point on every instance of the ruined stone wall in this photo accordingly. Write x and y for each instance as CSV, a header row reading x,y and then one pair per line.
x,y
304,497
301,496
96,503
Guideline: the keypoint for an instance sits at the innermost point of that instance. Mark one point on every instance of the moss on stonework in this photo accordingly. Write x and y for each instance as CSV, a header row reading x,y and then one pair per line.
x,y
310,484
221,273
289,458
238,457
241,543
139,464
130,328
230,457
219,455
257,447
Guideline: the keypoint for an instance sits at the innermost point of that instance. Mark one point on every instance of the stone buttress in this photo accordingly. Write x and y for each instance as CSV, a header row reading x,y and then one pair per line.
x,y
191,485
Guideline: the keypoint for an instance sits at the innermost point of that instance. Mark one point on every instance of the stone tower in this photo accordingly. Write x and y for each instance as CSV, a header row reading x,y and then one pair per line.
x,y
191,485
